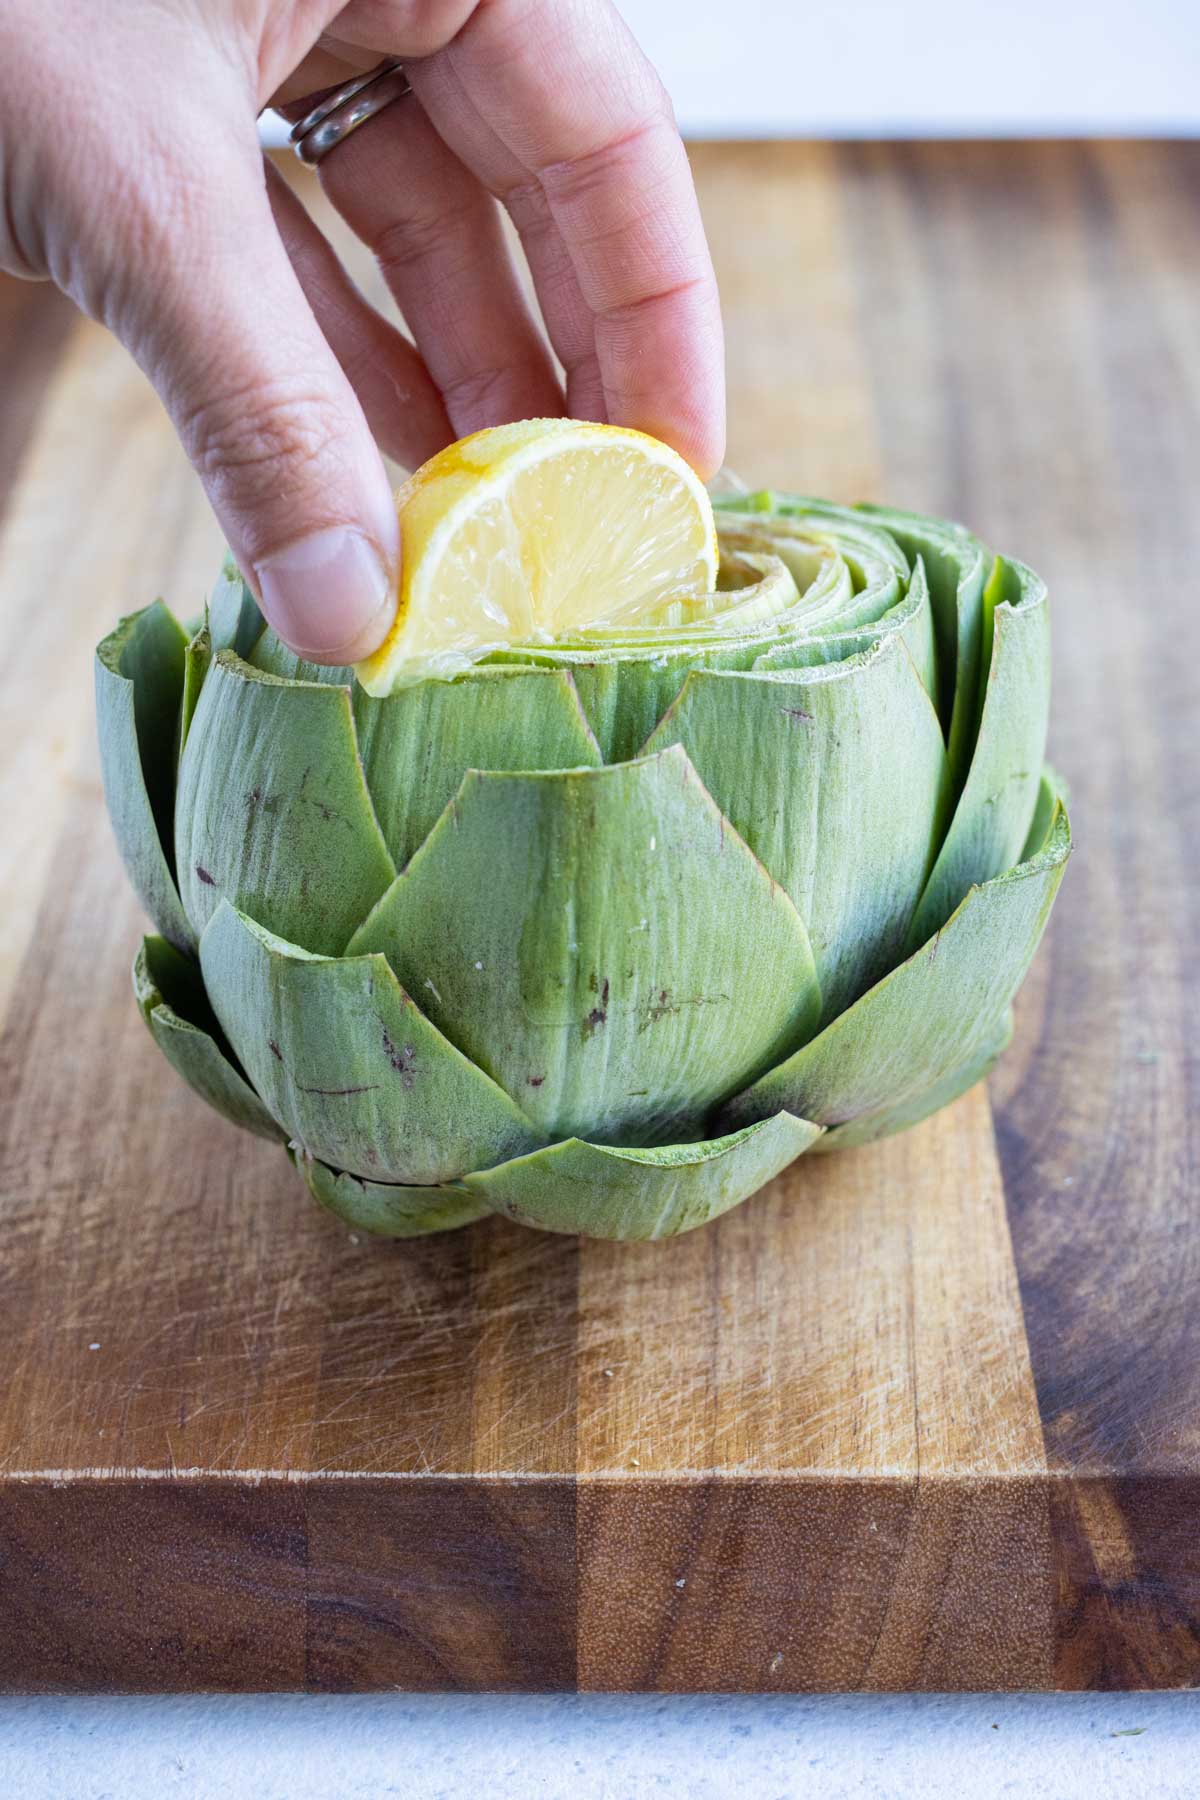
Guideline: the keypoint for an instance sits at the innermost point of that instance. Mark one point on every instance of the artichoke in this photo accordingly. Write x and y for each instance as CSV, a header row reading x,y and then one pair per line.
x,y
599,934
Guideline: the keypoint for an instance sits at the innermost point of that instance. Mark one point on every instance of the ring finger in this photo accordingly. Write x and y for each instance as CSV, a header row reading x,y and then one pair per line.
x,y
439,240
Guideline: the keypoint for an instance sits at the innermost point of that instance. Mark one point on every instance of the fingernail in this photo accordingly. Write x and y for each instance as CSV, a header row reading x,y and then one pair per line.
x,y
328,595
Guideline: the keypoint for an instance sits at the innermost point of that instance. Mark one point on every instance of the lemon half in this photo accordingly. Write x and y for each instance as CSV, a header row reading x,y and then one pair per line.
x,y
530,532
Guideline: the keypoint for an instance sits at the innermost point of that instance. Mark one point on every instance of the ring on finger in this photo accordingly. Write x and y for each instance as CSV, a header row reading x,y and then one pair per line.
x,y
345,108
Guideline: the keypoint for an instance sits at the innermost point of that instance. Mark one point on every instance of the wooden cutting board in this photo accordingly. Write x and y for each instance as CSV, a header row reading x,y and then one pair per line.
x,y
923,1415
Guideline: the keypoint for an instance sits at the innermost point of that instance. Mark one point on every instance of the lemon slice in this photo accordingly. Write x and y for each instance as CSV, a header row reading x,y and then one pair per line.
x,y
531,532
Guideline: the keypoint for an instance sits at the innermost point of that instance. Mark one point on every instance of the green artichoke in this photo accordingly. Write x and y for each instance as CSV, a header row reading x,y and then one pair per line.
x,y
600,934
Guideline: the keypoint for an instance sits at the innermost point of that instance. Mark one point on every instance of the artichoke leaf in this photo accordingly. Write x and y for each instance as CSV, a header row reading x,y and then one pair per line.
x,y
602,1192
176,1010
196,661
1052,792
233,617
996,806
957,566
911,620
273,657
617,954
349,1065
933,1014
139,682
498,717
627,679
385,1208
836,777
877,566
889,1119
624,698
273,812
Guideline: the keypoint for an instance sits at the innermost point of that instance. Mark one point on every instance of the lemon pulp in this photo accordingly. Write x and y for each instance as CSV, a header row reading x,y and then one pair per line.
x,y
531,532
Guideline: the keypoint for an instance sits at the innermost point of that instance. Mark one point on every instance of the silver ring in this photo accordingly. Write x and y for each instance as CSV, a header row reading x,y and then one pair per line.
x,y
345,108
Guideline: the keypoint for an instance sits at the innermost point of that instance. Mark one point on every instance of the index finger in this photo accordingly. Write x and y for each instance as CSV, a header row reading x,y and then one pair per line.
x,y
552,104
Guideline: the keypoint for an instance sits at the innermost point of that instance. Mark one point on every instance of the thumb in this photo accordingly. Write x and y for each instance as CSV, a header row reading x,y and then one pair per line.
x,y
270,421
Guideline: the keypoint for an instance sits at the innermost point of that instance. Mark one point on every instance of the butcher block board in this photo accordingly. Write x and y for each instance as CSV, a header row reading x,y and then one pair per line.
x,y
923,1415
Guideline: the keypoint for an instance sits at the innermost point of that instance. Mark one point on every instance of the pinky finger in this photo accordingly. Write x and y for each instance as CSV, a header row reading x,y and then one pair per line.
x,y
402,405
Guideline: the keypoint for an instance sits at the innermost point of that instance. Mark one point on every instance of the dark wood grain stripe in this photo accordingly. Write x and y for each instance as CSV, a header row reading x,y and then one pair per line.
x,y
1065,407
1107,1105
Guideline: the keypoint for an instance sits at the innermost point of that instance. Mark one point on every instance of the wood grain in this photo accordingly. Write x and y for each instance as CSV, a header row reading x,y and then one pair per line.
x,y
1071,407
923,1415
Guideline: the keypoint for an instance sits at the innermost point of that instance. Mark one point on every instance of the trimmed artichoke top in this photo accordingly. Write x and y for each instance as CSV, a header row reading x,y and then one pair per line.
x,y
600,933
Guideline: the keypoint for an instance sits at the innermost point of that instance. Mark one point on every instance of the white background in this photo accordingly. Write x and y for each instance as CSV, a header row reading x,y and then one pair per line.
x,y
932,68
452,1747
820,68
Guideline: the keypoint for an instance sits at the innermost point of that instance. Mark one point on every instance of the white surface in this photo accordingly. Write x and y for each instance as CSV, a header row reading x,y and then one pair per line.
x,y
878,68
932,1747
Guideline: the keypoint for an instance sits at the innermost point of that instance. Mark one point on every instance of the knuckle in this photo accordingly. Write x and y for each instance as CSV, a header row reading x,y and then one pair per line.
x,y
642,151
475,397
528,208
422,28
261,439
415,239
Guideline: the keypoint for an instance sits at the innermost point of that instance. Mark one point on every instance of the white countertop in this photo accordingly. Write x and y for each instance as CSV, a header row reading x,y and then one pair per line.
x,y
963,1747
930,68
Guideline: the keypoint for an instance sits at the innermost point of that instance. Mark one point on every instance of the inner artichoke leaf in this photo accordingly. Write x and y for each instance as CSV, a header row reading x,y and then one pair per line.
x,y
274,657
910,619
599,1191
627,679
931,1015
488,717
617,953
351,1067
173,1003
624,697
882,593
196,662
992,818
877,569
1052,792
836,777
755,590
957,567
139,673
233,619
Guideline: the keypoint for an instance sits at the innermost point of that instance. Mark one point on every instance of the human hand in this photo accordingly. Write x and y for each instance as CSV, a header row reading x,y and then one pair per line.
x,y
131,176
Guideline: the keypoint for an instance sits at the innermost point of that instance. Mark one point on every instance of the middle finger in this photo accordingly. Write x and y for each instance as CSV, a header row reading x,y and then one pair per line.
x,y
438,239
